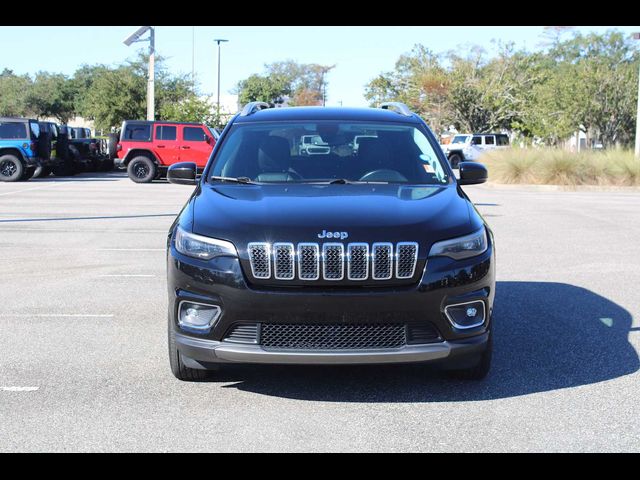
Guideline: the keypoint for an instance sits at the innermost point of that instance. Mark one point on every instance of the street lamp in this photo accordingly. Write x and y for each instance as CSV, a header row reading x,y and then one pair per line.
x,y
133,38
637,149
219,41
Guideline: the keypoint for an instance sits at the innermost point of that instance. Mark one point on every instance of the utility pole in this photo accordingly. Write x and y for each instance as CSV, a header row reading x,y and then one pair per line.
x,y
219,40
133,38
151,88
637,149
193,56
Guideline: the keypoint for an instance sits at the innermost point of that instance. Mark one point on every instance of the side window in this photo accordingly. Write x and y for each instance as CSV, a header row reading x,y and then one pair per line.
x,y
12,131
35,129
476,141
137,132
502,140
193,134
165,132
489,140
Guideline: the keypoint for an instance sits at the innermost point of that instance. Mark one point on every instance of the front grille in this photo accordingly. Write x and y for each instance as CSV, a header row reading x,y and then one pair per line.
x,y
243,333
303,336
331,260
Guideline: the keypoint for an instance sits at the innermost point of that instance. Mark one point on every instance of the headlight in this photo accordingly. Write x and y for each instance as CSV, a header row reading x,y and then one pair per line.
x,y
461,247
202,247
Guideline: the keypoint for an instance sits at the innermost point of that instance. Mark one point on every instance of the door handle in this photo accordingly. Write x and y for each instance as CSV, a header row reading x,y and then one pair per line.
x,y
185,147
161,146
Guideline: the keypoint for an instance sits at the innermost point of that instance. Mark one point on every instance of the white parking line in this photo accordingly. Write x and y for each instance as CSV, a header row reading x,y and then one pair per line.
x,y
49,185
127,275
19,389
56,315
131,249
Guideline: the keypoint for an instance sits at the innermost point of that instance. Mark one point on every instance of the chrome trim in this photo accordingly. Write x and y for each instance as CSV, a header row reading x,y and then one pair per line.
x,y
317,249
256,354
465,327
325,247
367,260
397,258
373,260
292,258
211,324
267,254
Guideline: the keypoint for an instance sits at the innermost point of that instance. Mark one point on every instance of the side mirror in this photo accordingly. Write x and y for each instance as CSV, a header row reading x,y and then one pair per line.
x,y
183,173
207,139
472,173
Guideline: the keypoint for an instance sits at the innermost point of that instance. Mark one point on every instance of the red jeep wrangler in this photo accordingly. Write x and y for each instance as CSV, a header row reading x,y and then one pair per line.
x,y
148,148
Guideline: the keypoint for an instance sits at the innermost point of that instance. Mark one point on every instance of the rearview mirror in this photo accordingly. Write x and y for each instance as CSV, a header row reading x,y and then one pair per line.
x,y
472,173
183,173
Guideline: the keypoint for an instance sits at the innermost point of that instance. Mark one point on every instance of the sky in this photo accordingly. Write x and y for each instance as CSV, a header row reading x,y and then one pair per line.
x,y
359,53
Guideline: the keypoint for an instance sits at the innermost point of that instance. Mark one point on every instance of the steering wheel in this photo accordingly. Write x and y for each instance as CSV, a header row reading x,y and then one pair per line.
x,y
383,175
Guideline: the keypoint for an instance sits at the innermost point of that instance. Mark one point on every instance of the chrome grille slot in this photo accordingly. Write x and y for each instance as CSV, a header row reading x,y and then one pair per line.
x,y
333,261
245,333
283,261
358,261
308,261
259,258
406,259
382,261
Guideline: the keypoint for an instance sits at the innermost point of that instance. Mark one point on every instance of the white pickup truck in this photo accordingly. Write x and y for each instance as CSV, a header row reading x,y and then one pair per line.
x,y
469,147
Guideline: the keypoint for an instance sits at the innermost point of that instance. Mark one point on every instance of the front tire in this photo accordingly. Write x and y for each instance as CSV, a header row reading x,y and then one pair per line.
x,y
141,169
455,160
179,370
11,168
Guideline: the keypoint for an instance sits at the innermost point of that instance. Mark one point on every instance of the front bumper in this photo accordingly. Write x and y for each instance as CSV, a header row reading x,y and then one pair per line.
x,y
221,282
198,352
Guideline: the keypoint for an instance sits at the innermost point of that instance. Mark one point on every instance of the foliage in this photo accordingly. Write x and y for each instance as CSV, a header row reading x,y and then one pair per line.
x,y
579,82
561,167
295,83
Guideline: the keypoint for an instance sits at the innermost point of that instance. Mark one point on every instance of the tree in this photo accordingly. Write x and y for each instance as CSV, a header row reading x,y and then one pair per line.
x,y
51,95
189,109
299,84
13,94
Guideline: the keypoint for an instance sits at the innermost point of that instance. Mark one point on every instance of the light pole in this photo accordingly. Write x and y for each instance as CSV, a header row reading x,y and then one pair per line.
x,y
219,41
637,149
133,38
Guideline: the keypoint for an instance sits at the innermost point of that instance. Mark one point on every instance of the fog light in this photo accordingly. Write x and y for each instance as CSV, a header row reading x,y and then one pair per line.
x,y
197,316
466,315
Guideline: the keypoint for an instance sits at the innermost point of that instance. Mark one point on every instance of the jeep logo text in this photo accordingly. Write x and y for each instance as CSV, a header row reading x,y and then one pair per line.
x,y
340,235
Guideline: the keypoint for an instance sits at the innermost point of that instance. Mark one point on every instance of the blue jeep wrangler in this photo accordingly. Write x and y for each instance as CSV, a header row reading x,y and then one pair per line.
x,y
22,149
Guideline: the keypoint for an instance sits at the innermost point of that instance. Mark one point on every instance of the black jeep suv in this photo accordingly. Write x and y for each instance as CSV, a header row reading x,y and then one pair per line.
x,y
352,256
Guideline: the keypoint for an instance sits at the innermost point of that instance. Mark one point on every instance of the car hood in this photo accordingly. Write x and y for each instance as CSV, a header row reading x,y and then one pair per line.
x,y
300,213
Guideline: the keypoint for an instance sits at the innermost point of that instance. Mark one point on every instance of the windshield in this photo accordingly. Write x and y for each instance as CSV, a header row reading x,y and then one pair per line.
x,y
460,139
275,152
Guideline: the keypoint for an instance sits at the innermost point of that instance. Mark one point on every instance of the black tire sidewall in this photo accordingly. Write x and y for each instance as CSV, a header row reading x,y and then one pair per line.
x,y
20,169
135,162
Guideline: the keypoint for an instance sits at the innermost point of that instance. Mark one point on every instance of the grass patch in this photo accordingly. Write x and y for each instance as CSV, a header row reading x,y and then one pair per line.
x,y
546,166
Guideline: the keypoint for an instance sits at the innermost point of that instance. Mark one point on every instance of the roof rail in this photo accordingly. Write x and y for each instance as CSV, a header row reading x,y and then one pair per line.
x,y
399,106
253,107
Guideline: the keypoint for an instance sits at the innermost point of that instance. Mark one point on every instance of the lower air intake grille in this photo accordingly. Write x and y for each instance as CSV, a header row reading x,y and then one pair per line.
x,y
245,333
281,336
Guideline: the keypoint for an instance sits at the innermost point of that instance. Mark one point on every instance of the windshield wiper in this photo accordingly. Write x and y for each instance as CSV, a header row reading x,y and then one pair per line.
x,y
232,179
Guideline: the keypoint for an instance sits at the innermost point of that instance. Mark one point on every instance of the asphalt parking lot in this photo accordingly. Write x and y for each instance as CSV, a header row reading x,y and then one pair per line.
x,y
83,353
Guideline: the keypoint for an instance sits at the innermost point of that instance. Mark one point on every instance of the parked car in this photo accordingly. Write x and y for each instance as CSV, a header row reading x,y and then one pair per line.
x,y
91,151
148,148
469,147
22,149
373,258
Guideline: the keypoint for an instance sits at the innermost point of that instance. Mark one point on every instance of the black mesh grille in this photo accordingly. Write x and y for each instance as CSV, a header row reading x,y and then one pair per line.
x,y
333,261
282,336
407,254
382,261
358,264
